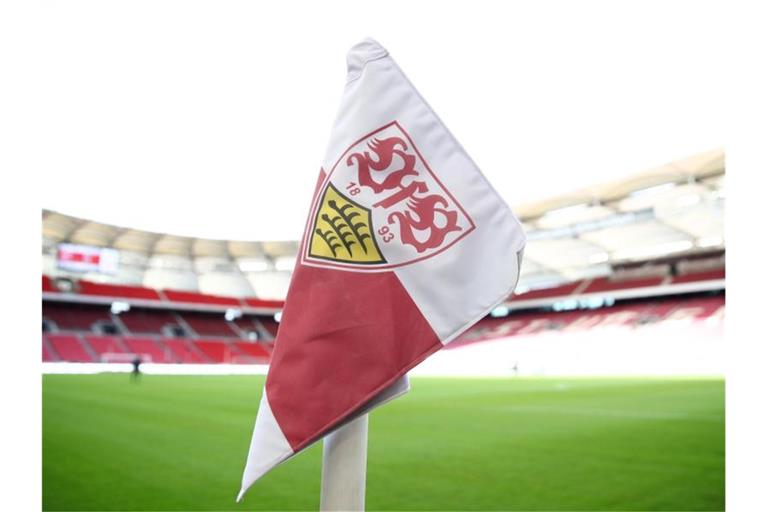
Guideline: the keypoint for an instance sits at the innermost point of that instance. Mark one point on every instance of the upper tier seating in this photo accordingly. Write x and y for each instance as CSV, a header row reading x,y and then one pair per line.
x,y
263,303
200,298
270,325
208,324
700,276
117,290
556,291
75,317
147,321
604,284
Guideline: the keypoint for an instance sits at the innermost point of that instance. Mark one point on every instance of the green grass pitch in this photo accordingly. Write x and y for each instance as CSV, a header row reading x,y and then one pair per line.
x,y
179,443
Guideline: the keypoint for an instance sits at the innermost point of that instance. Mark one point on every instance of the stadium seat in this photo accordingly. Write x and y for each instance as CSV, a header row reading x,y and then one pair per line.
x,y
117,290
200,298
148,347
102,345
269,324
208,324
48,285
604,284
48,353
700,276
74,316
252,352
147,321
217,351
183,351
557,291
70,348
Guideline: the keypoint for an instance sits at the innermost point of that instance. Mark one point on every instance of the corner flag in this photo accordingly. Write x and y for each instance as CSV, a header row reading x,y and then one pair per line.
x,y
406,246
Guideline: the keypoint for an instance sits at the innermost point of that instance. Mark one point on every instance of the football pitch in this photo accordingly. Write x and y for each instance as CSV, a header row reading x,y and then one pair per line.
x,y
179,443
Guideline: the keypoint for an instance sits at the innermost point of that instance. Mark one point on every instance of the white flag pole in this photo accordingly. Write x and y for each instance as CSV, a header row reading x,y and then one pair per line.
x,y
344,462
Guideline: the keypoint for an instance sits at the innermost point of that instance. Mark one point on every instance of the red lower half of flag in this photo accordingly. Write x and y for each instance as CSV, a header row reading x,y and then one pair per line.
x,y
344,337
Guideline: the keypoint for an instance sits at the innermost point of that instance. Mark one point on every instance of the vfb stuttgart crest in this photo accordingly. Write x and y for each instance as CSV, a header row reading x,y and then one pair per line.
x,y
381,207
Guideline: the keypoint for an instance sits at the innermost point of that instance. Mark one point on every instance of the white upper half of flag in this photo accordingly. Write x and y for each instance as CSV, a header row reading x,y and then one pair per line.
x,y
475,265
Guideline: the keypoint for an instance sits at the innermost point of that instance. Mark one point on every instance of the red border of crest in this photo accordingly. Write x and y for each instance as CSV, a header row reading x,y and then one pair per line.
x,y
362,268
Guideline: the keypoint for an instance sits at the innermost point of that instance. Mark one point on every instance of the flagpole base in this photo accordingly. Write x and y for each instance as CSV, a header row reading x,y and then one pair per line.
x,y
344,467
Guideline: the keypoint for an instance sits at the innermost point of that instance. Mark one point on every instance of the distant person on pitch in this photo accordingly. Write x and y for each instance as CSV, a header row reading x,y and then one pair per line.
x,y
136,372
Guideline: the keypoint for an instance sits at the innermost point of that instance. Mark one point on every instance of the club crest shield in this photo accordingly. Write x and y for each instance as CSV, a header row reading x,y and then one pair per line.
x,y
381,206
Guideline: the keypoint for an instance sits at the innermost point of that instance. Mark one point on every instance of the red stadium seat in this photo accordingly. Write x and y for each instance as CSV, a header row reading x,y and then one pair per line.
x,y
48,353
264,303
604,284
208,324
105,344
255,351
48,285
700,276
148,347
116,290
557,291
70,348
269,324
75,317
217,351
147,321
201,298
183,351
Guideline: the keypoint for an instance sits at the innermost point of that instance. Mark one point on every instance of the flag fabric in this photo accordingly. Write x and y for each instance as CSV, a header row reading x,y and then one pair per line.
x,y
406,246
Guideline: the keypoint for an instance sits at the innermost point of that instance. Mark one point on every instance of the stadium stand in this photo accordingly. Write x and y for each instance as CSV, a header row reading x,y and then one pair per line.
x,y
257,352
116,290
645,250
208,324
604,284
270,325
48,285
184,351
700,276
210,338
103,345
149,349
75,317
217,351
148,321
70,348
201,298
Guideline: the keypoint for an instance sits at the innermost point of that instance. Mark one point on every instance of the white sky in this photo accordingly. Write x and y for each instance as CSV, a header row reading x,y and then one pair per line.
x,y
210,119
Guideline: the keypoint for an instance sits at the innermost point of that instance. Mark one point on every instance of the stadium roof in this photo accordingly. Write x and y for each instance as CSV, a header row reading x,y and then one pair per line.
x,y
674,209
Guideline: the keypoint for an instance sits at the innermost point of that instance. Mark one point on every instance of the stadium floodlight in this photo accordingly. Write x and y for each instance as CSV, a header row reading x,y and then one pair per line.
x,y
278,316
118,307
233,314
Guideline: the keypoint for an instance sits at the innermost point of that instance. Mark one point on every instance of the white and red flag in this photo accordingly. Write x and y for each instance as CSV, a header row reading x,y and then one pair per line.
x,y
406,246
